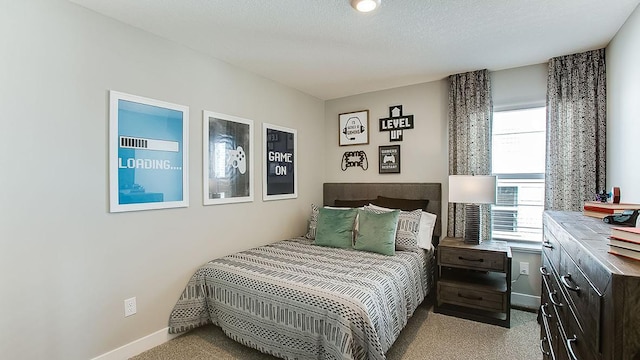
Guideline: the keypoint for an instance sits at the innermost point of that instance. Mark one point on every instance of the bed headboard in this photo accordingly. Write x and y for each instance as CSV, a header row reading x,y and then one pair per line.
x,y
360,191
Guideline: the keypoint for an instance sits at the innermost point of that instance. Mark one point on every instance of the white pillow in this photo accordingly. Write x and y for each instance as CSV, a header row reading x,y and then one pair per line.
x,y
427,224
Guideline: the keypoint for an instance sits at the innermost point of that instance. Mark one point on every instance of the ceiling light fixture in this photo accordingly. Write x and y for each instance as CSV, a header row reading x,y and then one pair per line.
x,y
365,5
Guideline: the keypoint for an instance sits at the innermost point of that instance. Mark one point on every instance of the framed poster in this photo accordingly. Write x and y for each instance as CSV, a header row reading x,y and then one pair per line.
x,y
227,147
279,165
353,128
389,159
148,153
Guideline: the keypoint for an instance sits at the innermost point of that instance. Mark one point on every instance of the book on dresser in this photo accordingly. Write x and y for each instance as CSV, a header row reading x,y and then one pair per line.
x,y
625,241
626,233
631,245
628,253
599,209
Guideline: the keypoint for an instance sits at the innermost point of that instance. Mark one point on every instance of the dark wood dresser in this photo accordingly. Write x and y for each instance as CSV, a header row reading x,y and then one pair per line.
x,y
590,300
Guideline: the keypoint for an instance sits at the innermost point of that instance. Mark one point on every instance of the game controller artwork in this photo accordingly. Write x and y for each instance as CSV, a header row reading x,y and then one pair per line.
x,y
389,159
354,159
228,159
237,159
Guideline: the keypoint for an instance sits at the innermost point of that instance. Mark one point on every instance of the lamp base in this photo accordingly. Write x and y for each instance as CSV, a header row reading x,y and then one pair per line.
x,y
472,224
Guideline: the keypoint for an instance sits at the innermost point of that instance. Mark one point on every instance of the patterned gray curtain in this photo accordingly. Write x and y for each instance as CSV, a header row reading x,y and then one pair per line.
x,y
576,130
470,116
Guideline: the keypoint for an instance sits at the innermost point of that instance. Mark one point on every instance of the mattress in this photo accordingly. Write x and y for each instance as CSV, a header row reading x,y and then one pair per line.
x,y
296,300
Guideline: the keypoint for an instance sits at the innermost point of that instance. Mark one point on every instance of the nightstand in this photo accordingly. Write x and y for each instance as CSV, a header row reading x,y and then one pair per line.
x,y
474,281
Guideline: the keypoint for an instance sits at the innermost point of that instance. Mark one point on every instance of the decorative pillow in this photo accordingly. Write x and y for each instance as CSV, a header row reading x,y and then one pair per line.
x,y
313,222
408,227
377,231
427,224
335,227
402,204
352,203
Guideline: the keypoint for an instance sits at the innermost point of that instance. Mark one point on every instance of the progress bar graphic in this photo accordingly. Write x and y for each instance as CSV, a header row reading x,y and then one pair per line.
x,y
148,144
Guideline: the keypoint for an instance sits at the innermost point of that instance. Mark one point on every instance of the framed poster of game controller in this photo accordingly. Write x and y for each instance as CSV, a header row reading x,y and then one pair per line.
x,y
148,153
389,159
227,169
279,163
353,128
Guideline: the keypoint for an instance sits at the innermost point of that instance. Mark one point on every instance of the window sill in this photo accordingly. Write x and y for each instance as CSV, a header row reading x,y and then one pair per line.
x,y
524,247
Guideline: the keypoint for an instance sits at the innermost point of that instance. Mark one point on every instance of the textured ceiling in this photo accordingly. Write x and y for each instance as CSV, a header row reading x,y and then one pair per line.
x,y
327,49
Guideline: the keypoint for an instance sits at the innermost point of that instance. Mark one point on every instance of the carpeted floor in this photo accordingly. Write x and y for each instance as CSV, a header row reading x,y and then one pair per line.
x,y
427,336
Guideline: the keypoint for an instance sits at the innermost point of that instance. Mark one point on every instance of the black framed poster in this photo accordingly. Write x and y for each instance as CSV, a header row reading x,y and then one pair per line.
x,y
279,171
389,159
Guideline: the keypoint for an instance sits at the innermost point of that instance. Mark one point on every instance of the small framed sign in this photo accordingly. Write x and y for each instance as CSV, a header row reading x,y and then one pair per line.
x,y
279,170
353,128
389,159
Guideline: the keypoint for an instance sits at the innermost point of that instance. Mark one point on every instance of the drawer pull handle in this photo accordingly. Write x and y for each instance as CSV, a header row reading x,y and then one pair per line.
x,y
552,297
545,353
547,245
570,347
466,259
564,279
544,272
544,312
478,298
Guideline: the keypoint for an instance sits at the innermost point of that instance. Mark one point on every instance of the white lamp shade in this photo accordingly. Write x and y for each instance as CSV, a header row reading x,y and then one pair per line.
x,y
472,189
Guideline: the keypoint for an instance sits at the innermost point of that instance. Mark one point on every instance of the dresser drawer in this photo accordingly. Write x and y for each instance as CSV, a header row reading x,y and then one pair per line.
x,y
452,293
583,298
472,259
549,346
551,247
574,344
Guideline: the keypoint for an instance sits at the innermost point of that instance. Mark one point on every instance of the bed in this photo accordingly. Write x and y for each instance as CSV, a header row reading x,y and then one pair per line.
x,y
297,300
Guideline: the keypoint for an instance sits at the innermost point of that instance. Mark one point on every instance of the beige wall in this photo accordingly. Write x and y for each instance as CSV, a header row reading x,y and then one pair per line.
x,y
424,149
66,263
623,111
423,152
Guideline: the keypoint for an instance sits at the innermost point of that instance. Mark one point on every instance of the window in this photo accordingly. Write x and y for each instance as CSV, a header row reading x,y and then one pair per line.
x,y
518,161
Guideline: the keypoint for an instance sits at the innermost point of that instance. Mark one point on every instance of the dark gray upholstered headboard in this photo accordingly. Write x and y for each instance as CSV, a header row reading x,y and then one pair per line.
x,y
360,191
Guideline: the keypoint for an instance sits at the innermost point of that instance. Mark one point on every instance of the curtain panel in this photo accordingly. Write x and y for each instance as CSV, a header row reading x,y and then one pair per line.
x,y
576,130
470,115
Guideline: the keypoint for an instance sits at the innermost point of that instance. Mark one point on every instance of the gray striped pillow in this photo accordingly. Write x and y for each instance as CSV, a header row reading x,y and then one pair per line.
x,y
313,222
408,227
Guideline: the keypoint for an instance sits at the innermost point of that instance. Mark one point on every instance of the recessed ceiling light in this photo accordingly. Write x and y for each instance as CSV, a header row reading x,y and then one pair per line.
x,y
365,5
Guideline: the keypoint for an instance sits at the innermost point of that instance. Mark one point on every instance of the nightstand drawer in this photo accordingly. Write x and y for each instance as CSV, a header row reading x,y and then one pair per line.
x,y
472,259
474,281
470,297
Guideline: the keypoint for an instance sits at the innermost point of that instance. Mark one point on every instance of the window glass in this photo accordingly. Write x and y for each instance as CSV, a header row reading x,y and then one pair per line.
x,y
518,160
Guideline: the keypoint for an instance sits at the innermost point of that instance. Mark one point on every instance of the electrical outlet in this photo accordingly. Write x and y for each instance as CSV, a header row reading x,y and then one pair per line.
x,y
524,268
129,306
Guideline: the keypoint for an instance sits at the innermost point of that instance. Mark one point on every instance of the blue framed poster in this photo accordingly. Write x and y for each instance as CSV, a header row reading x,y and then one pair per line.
x,y
279,170
148,153
227,159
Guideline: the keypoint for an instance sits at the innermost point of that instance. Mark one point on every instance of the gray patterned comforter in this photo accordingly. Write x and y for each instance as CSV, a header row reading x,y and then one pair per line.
x,y
295,300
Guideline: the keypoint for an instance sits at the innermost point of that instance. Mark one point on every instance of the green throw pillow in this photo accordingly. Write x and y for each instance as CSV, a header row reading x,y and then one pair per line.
x,y
335,227
377,232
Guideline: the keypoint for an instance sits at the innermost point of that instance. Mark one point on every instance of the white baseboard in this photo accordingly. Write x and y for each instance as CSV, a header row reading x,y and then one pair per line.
x,y
525,301
138,346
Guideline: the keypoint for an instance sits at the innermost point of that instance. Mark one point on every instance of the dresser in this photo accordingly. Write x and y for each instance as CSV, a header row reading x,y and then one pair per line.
x,y
590,299
474,281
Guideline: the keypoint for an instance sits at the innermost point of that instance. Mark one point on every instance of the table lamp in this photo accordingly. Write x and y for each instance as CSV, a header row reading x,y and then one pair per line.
x,y
472,190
